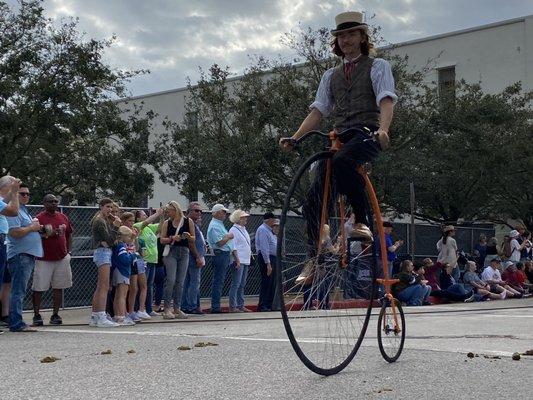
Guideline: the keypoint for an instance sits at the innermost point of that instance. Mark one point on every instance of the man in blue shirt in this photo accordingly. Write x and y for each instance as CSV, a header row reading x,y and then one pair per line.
x,y
9,206
265,246
220,241
190,302
23,245
391,245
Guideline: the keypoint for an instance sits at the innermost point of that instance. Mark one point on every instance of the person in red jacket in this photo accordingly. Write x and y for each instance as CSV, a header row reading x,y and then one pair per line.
x,y
53,268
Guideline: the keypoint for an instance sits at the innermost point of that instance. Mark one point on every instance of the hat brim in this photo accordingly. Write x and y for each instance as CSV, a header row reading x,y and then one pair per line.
x,y
362,27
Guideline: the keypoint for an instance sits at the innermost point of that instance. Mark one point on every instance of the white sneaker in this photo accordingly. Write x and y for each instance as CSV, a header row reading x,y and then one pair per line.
x,y
180,314
143,315
103,322
154,314
93,320
127,321
503,295
134,317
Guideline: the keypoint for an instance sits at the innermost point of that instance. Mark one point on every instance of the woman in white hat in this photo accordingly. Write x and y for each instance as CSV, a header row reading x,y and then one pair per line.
x,y
447,247
242,254
358,95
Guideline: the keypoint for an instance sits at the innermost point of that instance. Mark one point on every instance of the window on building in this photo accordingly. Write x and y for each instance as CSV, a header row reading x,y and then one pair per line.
x,y
446,78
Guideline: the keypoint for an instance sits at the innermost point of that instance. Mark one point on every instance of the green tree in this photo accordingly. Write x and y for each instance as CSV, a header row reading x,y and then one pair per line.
x,y
60,128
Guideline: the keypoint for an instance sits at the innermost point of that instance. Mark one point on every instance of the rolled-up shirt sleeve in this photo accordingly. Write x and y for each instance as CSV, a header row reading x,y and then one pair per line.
x,y
382,80
323,98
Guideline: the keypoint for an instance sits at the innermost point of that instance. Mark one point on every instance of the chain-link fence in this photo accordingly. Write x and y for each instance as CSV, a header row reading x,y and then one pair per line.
x,y
84,270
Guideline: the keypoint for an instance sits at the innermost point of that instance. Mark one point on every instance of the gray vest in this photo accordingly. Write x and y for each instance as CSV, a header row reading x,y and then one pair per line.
x,y
354,99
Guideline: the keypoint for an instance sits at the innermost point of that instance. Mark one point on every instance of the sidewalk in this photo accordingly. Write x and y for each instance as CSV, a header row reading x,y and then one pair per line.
x,y
80,316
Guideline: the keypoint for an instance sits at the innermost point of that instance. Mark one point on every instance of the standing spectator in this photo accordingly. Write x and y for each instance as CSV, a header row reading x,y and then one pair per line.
x,y
506,250
492,276
178,234
527,250
481,249
220,241
391,245
516,247
104,226
243,254
190,301
492,251
137,277
122,261
9,206
447,247
148,234
23,245
265,247
53,269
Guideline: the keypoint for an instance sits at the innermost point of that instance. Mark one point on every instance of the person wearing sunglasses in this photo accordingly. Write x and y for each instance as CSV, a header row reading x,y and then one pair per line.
x,y
23,246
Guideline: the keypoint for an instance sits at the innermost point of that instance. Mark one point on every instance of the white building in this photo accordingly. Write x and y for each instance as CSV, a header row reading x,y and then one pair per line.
x,y
495,55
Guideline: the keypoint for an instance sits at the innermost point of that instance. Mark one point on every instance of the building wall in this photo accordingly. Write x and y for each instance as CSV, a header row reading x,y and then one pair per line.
x,y
496,55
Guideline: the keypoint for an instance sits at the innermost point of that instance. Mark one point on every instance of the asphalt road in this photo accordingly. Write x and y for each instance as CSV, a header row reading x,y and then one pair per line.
x,y
254,360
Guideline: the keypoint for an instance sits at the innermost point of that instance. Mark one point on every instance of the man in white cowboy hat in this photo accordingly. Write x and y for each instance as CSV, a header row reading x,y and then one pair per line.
x,y
358,95
516,247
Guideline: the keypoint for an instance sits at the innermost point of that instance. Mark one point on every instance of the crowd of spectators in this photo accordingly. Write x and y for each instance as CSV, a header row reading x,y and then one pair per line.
x,y
151,265
493,272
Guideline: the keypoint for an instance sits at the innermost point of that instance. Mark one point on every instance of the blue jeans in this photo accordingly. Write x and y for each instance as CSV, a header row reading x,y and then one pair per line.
x,y
150,277
3,257
457,292
191,288
20,267
220,268
159,283
238,282
412,295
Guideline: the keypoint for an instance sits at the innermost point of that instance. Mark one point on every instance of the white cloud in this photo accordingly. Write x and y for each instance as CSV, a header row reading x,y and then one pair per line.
x,y
173,38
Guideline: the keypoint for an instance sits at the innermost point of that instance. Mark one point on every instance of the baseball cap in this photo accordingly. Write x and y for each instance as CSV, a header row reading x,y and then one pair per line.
x,y
268,215
218,207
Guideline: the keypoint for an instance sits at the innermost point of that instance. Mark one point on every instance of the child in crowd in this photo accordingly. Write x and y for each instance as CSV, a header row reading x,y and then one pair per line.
x,y
474,282
409,289
420,272
121,262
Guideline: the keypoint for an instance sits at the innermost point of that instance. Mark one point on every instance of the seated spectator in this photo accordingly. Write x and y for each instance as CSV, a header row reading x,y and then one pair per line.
x,y
420,271
409,290
452,290
472,281
511,276
528,271
492,276
431,273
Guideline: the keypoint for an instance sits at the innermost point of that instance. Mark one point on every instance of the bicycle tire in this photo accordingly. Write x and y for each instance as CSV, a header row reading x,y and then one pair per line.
x,y
350,323
388,330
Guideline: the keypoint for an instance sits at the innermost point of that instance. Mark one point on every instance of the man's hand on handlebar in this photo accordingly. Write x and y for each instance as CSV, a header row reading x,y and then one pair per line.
x,y
287,143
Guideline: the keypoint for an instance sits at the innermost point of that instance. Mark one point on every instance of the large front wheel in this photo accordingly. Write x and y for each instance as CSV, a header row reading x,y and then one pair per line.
x,y
325,279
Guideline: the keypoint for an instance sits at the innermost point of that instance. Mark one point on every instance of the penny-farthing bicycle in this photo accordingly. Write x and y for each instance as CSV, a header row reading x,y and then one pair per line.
x,y
327,286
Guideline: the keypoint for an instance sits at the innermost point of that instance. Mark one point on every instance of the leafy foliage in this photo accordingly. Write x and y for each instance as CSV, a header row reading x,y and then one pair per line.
x,y
60,127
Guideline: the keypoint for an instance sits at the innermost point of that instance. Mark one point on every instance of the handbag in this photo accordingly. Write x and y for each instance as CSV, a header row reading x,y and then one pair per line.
x,y
166,250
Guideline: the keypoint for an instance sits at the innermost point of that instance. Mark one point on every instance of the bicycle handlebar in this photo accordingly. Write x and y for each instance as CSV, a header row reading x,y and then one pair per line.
x,y
295,142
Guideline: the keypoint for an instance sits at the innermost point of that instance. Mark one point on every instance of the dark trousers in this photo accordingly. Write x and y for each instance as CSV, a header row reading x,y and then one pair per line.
x,y
3,257
346,180
159,284
268,286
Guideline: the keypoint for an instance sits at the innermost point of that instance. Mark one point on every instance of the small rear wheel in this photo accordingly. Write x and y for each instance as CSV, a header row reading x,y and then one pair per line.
x,y
391,330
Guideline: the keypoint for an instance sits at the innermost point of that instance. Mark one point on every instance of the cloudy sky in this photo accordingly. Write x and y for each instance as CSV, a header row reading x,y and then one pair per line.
x,y
172,38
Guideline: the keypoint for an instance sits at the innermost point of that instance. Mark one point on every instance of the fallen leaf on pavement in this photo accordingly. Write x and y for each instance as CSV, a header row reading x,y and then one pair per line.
x,y
50,359
528,352
200,344
211,344
516,356
184,348
130,351
106,352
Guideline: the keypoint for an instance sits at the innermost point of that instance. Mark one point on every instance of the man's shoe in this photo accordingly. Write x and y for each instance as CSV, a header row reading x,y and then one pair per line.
x,y
244,309
216,311
362,231
38,320
55,319
198,311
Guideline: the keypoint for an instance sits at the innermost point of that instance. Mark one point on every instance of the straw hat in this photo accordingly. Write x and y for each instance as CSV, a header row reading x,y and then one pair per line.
x,y
237,215
349,20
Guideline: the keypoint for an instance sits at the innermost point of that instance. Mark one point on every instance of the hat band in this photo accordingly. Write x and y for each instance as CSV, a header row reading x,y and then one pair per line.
x,y
348,25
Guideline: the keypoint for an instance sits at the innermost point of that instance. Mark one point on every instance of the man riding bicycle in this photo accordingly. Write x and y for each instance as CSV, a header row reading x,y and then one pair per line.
x,y
358,94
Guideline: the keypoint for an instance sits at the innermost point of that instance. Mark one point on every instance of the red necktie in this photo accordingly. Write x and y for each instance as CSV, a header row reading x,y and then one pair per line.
x,y
349,68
